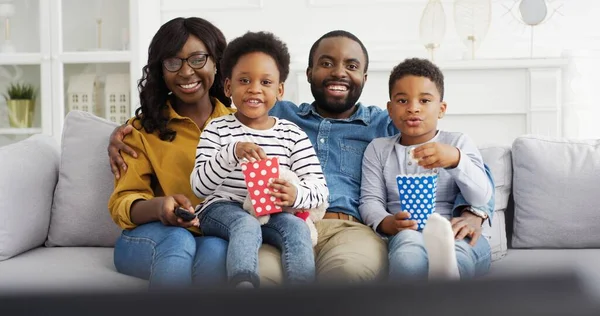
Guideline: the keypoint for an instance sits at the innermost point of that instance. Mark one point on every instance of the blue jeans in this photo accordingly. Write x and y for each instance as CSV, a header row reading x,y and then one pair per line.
x,y
170,256
408,257
245,234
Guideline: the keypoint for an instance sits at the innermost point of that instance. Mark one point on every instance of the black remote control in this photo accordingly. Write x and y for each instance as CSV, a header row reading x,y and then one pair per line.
x,y
184,214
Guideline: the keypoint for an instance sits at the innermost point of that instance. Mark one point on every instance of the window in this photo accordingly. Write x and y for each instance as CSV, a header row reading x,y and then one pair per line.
x,y
84,108
84,98
123,98
75,98
113,99
113,109
123,109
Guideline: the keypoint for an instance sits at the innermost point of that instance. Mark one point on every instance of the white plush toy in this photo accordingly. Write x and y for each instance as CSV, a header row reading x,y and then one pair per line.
x,y
309,216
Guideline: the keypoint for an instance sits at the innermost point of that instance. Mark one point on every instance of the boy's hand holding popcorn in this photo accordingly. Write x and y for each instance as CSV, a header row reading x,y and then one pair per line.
x,y
436,155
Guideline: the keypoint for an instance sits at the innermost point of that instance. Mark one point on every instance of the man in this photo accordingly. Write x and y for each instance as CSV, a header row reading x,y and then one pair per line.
x,y
340,130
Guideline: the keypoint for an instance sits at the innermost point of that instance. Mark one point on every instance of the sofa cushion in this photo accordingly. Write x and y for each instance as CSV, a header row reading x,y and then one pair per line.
x,y
68,268
555,187
498,159
80,214
28,175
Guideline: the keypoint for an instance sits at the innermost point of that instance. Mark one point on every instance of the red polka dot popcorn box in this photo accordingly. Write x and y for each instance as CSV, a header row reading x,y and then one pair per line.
x,y
258,175
417,195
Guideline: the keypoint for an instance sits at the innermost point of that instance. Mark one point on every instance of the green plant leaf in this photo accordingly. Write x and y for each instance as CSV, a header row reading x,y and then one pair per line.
x,y
20,91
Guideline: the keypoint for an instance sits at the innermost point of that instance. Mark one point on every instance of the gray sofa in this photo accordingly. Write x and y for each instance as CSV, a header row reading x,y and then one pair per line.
x,y
56,233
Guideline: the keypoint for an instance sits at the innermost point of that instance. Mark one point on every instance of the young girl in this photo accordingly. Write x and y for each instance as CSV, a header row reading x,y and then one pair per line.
x,y
255,67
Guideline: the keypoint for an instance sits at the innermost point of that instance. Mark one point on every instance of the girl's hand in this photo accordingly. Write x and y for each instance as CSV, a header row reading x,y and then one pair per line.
x,y
283,190
249,151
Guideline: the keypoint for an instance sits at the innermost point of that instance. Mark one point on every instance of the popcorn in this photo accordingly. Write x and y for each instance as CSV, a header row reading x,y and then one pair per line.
x,y
411,152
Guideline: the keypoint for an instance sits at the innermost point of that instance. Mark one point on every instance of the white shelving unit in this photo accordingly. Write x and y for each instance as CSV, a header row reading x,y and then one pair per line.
x,y
56,39
20,131
95,57
20,59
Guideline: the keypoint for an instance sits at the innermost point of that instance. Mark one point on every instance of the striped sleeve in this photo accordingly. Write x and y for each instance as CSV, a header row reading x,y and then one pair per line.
x,y
312,189
214,161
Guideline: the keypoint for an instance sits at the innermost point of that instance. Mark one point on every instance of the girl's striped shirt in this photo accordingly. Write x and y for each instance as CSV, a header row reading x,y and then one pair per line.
x,y
217,174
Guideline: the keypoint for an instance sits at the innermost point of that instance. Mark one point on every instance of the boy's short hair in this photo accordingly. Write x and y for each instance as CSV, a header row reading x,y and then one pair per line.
x,y
420,68
253,42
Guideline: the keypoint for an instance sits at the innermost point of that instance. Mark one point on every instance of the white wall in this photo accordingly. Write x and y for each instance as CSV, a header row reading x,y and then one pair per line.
x,y
390,28
390,31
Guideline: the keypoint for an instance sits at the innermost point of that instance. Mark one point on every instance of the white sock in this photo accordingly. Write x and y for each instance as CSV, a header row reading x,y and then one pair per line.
x,y
439,243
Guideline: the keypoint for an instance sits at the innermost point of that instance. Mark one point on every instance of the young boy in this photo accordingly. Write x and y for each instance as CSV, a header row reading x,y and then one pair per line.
x,y
255,67
445,248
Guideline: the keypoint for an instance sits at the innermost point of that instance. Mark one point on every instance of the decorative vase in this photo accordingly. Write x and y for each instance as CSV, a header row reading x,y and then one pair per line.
x,y
472,20
432,27
20,113
533,12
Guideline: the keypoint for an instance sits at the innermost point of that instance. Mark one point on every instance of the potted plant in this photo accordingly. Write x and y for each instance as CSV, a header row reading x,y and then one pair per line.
x,y
20,98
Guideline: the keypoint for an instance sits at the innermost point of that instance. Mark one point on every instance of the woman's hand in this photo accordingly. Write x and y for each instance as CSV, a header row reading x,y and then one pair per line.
x,y
116,146
167,211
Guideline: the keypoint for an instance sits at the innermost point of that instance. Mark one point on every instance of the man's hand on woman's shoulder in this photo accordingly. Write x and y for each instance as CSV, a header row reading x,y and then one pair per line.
x,y
116,146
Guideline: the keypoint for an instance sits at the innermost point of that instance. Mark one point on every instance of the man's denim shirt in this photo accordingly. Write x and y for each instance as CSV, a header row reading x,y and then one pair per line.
x,y
340,145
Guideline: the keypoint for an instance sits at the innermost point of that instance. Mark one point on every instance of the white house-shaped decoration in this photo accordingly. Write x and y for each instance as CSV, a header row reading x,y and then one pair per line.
x,y
116,98
83,92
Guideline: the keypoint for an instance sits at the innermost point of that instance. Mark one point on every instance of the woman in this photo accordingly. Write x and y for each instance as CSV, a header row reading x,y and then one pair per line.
x,y
180,91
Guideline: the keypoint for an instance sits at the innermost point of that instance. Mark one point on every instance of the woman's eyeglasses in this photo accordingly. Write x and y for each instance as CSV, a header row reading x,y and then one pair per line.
x,y
196,61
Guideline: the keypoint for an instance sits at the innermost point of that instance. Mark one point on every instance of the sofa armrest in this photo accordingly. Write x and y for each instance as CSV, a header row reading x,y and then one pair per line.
x,y
28,176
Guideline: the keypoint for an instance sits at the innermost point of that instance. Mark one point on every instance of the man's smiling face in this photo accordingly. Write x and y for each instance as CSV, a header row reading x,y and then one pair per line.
x,y
337,75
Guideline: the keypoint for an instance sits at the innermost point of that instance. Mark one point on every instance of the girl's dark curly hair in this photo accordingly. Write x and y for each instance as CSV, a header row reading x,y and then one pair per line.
x,y
169,40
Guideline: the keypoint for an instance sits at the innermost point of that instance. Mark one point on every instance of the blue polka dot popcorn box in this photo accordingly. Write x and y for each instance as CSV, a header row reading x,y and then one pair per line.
x,y
417,195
